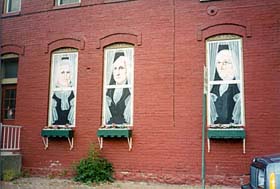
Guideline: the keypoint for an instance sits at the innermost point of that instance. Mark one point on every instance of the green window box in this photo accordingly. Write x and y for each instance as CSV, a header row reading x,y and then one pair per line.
x,y
221,134
68,133
115,133
61,133
226,133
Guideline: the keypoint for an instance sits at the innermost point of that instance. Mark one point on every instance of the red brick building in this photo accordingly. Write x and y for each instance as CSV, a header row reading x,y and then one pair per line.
x,y
167,43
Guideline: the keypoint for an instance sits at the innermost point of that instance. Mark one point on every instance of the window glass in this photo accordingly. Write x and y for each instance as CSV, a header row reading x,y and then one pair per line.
x,y
63,89
118,86
261,178
65,2
225,82
9,96
12,6
9,67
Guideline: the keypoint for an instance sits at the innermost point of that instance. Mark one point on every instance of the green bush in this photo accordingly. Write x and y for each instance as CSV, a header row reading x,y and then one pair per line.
x,y
9,175
93,169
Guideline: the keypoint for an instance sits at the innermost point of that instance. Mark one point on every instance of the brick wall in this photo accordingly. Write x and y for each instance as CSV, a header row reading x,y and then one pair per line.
x,y
168,81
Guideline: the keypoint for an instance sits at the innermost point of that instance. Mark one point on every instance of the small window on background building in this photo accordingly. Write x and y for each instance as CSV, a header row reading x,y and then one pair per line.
x,y
66,2
225,81
9,68
118,85
63,88
11,6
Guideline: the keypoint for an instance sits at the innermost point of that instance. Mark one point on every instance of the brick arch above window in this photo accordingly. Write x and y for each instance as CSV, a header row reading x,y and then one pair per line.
x,y
132,38
13,48
77,43
210,30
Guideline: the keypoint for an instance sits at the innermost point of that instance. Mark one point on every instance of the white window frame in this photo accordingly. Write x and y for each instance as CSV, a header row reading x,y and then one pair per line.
x,y
111,49
221,39
6,8
59,3
63,53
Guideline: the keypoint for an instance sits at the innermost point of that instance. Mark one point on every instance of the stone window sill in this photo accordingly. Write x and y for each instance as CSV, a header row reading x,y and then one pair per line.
x,y
10,14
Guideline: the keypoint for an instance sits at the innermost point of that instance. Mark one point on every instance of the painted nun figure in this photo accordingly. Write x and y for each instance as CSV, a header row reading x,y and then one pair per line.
x,y
63,100
225,98
118,99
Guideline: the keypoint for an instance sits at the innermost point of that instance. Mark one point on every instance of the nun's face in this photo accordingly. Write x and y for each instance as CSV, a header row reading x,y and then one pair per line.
x,y
120,70
64,75
224,65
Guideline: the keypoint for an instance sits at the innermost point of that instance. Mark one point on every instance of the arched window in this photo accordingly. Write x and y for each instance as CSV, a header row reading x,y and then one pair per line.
x,y
63,88
9,69
225,93
118,85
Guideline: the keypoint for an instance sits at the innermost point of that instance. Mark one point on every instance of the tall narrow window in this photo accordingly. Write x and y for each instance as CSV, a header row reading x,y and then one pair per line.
x,y
225,81
118,85
11,6
9,67
63,88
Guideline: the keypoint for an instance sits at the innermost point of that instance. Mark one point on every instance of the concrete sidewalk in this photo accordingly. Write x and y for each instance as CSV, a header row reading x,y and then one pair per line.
x,y
44,183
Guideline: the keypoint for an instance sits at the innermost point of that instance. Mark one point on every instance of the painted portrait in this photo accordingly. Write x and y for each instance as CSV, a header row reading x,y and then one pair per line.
x,y
224,95
118,86
63,95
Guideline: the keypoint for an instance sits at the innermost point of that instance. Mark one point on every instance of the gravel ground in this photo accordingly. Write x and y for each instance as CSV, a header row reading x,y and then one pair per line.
x,y
44,183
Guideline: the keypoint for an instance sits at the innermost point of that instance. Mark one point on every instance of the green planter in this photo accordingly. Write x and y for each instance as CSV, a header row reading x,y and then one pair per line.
x,y
226,133
115,133
105,133
57,133
68,133
222,134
